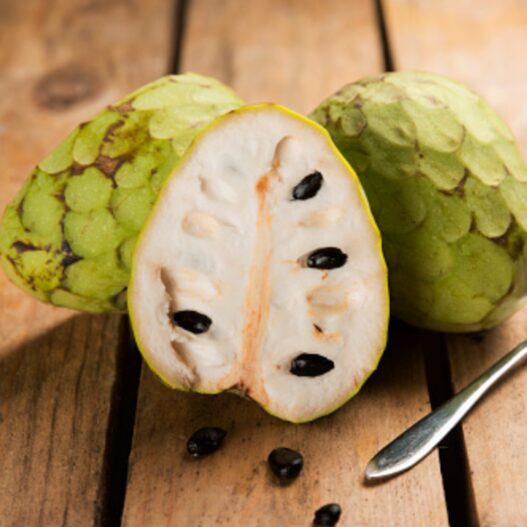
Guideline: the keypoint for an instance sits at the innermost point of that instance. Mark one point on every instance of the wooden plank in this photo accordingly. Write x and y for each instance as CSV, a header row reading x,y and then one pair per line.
x,y
280,50
496,432
61,62
54,406
480,43
293,52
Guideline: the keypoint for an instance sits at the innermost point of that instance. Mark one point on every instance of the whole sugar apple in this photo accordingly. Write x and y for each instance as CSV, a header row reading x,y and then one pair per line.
x,y
68,236
260,269
448,188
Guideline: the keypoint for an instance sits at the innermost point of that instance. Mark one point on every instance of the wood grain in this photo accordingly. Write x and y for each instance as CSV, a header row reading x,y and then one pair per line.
x,y
293,52
495,433
61,62
482,44
55,395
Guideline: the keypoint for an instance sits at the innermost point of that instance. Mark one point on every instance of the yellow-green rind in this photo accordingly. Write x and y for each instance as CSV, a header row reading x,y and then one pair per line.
x,y
324,133
68,235
448,188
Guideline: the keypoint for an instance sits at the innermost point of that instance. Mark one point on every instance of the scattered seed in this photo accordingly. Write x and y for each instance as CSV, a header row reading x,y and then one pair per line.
x,y
310,365
328,514
192,321
205,441
285,463
327,258
309,186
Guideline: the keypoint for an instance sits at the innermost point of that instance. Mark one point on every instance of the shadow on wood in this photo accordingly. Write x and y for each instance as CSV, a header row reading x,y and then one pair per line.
x,y
55,400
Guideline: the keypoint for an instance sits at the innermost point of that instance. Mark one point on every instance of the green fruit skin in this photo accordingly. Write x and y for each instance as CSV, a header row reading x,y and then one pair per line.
x,y
68,235
447,186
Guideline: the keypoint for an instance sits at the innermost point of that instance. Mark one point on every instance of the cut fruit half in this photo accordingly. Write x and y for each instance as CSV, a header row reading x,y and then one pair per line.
x,y
260,269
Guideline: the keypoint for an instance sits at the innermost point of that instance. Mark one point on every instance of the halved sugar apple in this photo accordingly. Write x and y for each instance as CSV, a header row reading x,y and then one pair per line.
x,y
68,235
260,269
448,188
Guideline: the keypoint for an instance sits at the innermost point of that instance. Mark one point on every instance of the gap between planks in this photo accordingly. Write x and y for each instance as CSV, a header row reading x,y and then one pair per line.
x,y
120,431
452,452
455,474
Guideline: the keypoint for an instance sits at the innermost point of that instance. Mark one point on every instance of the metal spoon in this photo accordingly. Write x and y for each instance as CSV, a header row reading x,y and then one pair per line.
x,y
420,439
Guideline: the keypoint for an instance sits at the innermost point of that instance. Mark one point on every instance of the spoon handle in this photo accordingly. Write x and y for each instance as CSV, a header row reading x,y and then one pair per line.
x,y
420,439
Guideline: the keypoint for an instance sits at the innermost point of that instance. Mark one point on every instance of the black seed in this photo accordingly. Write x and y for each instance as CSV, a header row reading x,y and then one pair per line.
x,y
192,321
310,365
309,186
328,514
205,441
327,258
285,463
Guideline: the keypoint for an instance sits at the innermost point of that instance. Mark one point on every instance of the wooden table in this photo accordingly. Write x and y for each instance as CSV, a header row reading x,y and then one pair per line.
x,y
87,435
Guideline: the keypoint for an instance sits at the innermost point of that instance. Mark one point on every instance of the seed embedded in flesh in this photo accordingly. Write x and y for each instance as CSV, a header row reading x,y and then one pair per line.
x,y
285,463
205,441
192,321
310,365
328,514
327,258
309,186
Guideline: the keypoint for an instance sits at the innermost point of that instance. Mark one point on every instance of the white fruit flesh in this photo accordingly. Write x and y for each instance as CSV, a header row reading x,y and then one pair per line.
x,y
227,240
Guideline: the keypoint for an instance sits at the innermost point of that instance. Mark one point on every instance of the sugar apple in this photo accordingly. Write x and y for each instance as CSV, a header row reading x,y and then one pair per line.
x,y
260,269
68,235
448,188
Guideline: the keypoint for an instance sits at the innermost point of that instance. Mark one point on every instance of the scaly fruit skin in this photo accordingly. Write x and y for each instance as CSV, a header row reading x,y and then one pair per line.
x,y
68,236
448,188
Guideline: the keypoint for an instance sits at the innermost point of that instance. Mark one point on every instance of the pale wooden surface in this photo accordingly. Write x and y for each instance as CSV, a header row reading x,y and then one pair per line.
x,y
294,52
496,433
277,60
60,63
483,45
58,369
